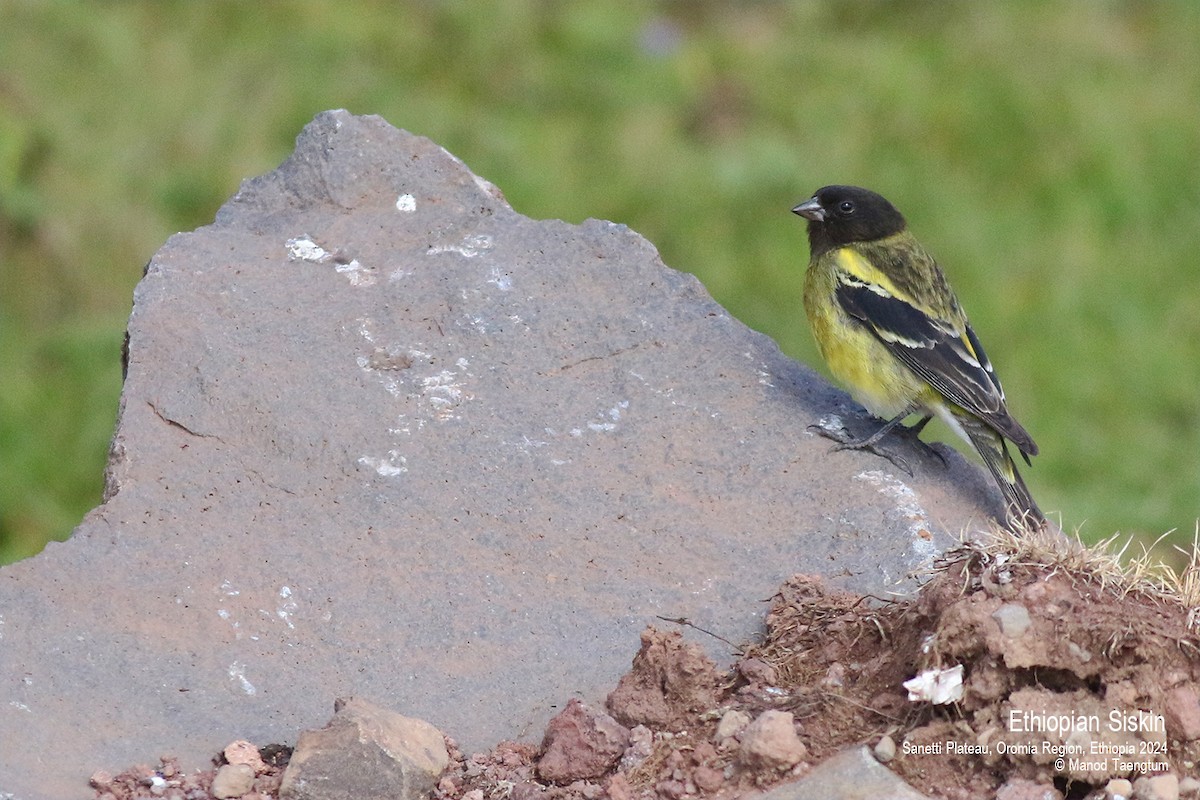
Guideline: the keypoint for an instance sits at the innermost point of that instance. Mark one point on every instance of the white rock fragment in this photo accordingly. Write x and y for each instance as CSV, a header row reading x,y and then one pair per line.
x,y
303,248
937,686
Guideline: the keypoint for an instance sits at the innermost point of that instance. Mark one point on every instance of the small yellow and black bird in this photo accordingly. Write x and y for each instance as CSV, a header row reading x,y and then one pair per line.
x,y
890,328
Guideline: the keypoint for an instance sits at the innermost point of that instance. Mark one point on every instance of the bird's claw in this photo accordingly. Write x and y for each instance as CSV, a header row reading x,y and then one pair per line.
x,y
845,441
898,461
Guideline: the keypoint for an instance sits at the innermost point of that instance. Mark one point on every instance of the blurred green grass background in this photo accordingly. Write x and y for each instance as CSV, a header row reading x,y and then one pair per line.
x,y
1047,152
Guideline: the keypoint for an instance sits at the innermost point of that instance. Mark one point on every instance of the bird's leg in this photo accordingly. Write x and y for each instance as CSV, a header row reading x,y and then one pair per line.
x,y
845,442
868,443
913,433
918,426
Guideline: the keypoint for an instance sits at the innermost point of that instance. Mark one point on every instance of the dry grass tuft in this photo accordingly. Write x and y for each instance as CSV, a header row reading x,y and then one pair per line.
x,y
1107,563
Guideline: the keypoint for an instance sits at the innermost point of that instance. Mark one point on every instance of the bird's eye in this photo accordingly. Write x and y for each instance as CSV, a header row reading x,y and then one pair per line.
x,y
846,207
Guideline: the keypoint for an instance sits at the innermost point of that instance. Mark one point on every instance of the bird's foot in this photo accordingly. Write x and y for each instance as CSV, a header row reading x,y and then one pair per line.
x,y
846,441
833,429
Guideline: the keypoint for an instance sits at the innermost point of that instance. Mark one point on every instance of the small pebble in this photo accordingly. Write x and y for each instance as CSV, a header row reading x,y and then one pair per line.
x,y
1157,787
885,749
242,752
756,670
1024,789
232,780
1118,789
100,779
835,676
770,742
1013,619
708,778
732,723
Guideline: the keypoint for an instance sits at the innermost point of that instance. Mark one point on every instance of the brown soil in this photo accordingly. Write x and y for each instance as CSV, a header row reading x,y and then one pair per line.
x,y
167,782
1038,645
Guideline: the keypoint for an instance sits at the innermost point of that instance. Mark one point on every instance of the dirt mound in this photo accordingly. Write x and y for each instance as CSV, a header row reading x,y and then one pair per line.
x,y
1069,680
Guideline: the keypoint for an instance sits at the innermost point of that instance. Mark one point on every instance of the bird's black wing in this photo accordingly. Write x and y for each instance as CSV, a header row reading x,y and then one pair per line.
x,y
947,356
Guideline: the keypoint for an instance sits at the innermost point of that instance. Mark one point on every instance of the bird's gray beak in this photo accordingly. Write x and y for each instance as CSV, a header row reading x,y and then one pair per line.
x,y
810,209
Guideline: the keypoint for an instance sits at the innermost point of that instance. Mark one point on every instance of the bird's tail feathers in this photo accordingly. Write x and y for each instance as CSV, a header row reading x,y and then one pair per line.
x,y
1020,506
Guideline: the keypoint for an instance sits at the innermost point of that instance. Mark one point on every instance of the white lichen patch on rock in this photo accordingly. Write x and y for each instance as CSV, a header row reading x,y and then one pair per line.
x,y
389,466
607,422
500,279
467,247
304,248
907,511
356,273
237,674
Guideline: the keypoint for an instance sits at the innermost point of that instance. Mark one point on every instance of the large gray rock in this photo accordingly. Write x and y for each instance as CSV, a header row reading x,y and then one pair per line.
x,y
382,435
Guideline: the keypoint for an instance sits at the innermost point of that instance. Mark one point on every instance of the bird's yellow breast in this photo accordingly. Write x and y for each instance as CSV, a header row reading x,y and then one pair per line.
x,y
872,374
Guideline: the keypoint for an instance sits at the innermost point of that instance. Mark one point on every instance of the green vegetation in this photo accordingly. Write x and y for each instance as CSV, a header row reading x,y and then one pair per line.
x,y
1048,153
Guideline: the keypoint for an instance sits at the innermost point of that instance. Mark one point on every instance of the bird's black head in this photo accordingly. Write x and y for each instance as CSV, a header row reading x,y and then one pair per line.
x,y
840,215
